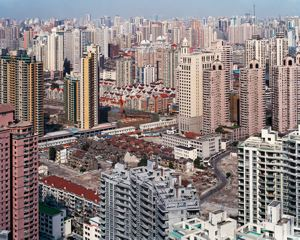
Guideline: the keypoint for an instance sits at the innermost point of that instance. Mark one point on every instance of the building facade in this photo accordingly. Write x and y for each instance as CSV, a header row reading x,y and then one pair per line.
x,y
252,98
137,203
19,176
286,100
267,172
89,88
72,99
22,85
216,98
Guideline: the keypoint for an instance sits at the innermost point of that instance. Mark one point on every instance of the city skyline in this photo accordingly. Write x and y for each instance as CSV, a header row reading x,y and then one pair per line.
x,y
165,9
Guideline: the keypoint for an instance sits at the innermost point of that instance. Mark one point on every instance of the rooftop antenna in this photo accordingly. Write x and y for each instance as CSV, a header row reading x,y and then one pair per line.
x,y
254,19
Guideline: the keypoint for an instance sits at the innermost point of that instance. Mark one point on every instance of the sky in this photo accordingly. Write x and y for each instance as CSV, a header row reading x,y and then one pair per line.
x,y
21,9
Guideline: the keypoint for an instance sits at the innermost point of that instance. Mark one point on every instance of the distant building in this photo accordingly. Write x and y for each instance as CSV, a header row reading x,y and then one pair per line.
x,y
72,99
216,95
286,100
89,88
22,85
124,71
190,87
185,152
252,98
206,145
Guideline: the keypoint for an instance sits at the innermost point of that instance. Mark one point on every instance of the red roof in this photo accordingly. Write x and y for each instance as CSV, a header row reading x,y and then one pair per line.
x,y
192,135
63,184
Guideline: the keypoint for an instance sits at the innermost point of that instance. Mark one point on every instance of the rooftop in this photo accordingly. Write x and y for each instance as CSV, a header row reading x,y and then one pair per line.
x,y
4,108
186,148
63,184
43,208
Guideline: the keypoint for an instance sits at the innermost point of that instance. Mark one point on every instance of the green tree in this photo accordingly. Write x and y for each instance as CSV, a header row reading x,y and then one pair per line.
x,y
143,161
197,163
52,153
171,165
228,175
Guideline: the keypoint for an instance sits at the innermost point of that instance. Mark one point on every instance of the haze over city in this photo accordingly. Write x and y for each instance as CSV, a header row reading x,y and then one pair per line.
x,y
147,8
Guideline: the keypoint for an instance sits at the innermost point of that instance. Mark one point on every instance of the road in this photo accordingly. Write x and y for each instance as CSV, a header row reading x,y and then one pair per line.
x,y
222,180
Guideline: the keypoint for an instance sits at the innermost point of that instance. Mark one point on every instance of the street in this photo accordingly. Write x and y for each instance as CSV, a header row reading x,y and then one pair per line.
x,y
222,180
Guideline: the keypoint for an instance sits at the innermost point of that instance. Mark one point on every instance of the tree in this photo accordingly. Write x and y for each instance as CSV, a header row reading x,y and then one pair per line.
x,y
171,165
197,163
52,153
143,161
228,175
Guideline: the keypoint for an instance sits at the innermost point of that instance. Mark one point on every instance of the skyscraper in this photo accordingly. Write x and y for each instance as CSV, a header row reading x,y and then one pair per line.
x,y
72,49
190,81
72,98
257,49
278,51
124,71
216,98
286,100
252,98
18,176
22,80
268,171
143,202
89,88
55,51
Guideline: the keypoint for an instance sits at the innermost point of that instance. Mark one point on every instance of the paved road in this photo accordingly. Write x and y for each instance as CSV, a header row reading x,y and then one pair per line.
x,y
222,180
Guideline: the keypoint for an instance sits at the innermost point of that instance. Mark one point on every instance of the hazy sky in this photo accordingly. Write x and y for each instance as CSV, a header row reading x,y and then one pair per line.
x,y
164,8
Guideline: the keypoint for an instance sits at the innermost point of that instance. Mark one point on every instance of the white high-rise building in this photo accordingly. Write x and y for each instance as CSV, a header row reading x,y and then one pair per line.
x,y
148,74
144,202
190,81
72,49
124,71
257,49
55,51
268,171
278,49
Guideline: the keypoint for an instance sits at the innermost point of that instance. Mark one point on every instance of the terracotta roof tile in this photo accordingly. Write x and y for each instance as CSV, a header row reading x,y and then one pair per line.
x,y
63,184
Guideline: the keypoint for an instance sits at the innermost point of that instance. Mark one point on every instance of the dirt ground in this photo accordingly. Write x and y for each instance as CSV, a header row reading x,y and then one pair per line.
x,y
226,199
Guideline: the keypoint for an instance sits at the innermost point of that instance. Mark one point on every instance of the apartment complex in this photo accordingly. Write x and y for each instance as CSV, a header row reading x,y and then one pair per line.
x,y
22,85
252,98
89,88
216,96
143,202
257,49
19,176
190,87
267,172
124,71
81,203
72,98
286,99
